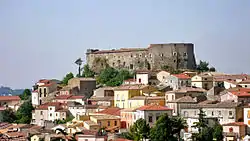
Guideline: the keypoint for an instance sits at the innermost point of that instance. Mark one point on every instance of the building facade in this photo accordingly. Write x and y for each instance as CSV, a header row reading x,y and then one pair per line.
x,y
174,55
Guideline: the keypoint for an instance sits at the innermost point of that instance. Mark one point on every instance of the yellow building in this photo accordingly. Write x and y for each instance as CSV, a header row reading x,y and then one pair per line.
x,y
138,101
124,92
110,122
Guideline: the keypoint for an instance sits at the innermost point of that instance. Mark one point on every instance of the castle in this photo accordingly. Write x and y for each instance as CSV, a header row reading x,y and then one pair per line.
x,y
174,55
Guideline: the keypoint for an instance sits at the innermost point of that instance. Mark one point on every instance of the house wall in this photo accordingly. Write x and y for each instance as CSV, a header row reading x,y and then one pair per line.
x,y
40,118
155,114
236,129
228,97
104,122
223,114
245,85
136,103
85,87
172,81
228,85
35,98
129,118
247,116
143,78
162,75
51,113
204,82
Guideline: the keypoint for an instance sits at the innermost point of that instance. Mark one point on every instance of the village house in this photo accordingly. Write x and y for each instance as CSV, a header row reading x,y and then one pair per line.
x,y
130,81
234,131
224,112
124,92
185,91
78,110
202,81
43,89
245,83
176,81
83,86
103,96
162,75
128,117
151,113
12,102
138,101
237,95
70,98
111,122
49,112
146,77
91,135
177,103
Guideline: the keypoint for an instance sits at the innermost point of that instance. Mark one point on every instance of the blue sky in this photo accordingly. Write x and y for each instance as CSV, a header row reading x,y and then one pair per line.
x,y
43,38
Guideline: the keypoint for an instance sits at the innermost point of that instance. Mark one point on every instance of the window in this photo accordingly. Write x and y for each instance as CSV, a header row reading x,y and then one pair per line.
x,y
50,114
205,78
245,86
161,54
150,55
212,113
50,108
131,55
139,80
230,113
150,119
131,66
140,55
174,61
108,123
248,114
174,53
172,97
41,113
40,91
86,140
115,123
56,114
219,113
44,90
195,113
185,54
113,64
124,63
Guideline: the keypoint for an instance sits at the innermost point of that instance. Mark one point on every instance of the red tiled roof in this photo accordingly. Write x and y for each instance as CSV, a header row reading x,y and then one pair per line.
x,y
245,82
130,80
153,108
76,97
63,96
131,87
9,98
235,124
43,81
181,76
111,111
241,93
46,105
69,97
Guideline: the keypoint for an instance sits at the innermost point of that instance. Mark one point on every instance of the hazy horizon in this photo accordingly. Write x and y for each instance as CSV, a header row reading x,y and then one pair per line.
x,y
42,39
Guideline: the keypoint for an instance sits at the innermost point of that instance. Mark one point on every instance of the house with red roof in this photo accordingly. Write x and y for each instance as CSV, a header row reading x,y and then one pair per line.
x,y
234,130
151,113
10,101
49,112
70,98
176,81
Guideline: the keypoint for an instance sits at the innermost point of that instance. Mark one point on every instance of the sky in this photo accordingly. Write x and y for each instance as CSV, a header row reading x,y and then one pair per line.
x,y
43,38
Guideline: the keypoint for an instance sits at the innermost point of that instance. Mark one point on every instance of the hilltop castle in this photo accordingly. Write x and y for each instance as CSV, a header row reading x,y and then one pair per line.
x,y
174,55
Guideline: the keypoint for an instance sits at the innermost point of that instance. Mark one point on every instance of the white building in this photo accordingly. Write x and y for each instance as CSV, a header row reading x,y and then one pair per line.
x,y
151,113
225,112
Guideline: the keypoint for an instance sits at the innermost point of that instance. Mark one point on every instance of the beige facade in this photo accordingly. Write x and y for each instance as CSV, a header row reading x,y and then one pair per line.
x,y
84,86
175,55
162,75
202,81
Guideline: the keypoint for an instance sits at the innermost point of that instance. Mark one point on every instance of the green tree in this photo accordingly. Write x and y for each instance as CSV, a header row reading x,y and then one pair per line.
x,y
212,69
203,66
24,113
139,131
8,115
26,94
165,129
178,124
87,72
67,78
218,132
113,77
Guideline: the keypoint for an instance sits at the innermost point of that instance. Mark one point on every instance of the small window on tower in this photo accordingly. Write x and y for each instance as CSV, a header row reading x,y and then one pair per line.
x,y
174,53
185,54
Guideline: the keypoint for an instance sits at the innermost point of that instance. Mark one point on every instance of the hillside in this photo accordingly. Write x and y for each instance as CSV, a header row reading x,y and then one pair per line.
x,y
8,90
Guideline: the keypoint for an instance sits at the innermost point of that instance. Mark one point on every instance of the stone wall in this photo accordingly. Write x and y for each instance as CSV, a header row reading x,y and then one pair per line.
x,y
177,56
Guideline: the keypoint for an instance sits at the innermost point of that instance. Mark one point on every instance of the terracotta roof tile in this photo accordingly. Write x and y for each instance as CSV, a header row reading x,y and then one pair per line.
x,y
76,97
111,111
181,76
131,87
63,96
235,124
154,108
9,98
